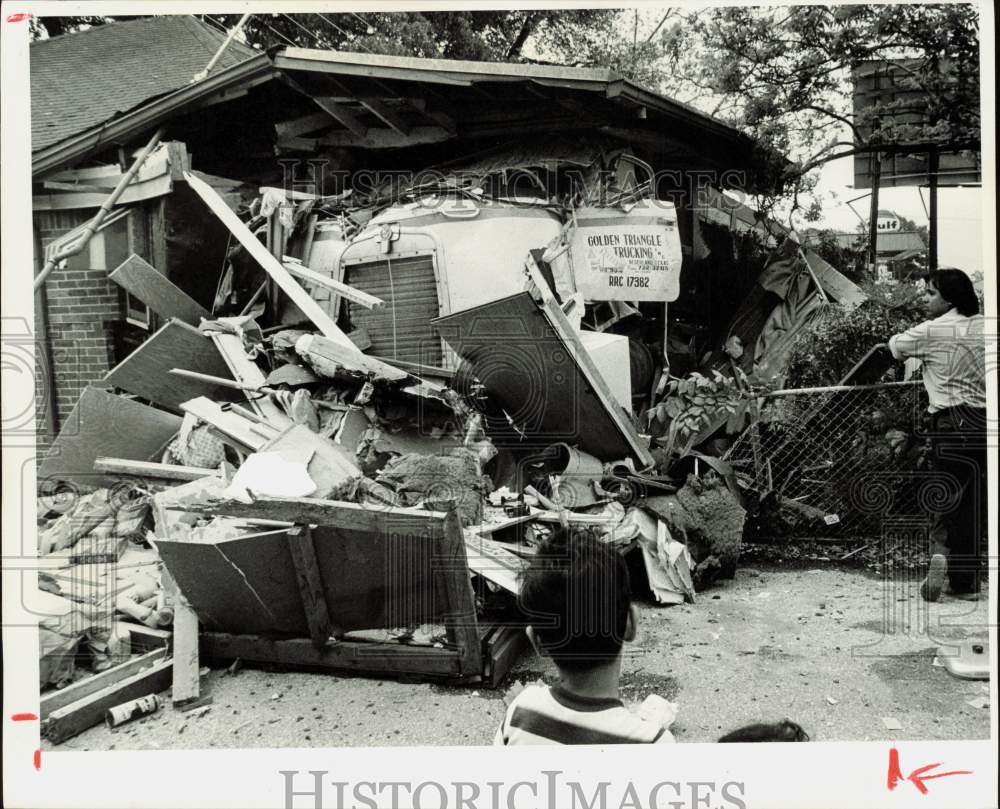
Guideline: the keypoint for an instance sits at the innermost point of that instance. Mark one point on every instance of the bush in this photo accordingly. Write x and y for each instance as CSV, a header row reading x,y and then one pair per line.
x,y
840,338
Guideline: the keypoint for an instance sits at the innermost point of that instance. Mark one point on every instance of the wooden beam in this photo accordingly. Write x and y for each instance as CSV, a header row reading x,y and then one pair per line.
x,y
387,138
300,545
271,265
308,510
342,289
78,716
387,114
341,114
150,286
302,125
150,469
54,700
460,601
391,659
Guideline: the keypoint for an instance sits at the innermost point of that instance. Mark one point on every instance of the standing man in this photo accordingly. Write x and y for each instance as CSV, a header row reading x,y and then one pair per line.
x,y
951,347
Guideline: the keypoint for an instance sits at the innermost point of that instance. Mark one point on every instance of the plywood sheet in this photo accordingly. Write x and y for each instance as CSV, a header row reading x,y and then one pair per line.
x,y
146,371
542,377
103,424
370,579
151,287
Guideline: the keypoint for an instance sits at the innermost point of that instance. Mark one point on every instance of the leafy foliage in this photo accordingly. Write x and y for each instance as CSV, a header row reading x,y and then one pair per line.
x,y
480,35
695,407
823,355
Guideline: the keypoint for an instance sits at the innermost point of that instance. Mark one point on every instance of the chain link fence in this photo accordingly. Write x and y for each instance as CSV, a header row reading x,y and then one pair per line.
x,y
839,461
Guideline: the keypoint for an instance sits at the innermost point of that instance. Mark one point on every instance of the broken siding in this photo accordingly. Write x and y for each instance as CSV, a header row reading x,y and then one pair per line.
x,y
401,329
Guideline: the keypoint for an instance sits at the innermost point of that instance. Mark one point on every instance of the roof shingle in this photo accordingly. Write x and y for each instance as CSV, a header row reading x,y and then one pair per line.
x,y
83,79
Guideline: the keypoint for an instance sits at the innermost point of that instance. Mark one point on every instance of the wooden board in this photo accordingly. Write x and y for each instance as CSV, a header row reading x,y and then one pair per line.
x,y
355,656
105,424
303,553
146,371
60,698
244,433
149,469
151,287
78,716
246,373
534,365
271,265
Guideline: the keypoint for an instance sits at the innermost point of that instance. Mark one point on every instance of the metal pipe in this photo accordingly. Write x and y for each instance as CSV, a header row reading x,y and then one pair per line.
x,y
218,54
842,388
92,226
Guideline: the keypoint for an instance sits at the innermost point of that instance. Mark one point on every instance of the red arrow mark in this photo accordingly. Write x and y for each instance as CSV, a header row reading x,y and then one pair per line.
x,y
29,717
19,17
916,777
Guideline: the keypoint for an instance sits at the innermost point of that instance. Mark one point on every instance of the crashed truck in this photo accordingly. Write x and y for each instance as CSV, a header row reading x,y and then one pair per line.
x,y
443,371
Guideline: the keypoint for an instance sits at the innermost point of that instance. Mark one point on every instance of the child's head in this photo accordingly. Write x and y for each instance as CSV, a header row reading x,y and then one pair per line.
x,y
576,597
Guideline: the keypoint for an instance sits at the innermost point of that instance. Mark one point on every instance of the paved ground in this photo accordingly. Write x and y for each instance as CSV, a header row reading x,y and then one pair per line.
x,y
835,650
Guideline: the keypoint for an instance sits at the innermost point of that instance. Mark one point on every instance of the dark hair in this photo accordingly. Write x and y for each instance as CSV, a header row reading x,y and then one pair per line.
x,y
956,288
785,731
575,594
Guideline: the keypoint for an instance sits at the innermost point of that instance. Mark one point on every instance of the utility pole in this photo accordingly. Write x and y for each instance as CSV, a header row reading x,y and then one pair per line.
x,y
932,216
876,171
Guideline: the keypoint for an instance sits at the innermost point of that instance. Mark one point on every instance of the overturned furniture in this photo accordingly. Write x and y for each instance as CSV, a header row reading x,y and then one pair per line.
x,y
310,593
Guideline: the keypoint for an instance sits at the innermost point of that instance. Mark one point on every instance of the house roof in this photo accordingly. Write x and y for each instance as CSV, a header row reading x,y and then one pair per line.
x,y
83,79
367,101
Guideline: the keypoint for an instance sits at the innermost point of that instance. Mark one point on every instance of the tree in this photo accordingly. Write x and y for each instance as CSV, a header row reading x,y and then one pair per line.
x,y
480,35
783,75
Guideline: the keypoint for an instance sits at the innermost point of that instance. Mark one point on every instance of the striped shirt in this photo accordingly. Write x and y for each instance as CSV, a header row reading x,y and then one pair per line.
x,y
541,715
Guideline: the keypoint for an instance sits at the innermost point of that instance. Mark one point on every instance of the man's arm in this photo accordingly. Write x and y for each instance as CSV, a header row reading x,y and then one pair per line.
x,y
910,343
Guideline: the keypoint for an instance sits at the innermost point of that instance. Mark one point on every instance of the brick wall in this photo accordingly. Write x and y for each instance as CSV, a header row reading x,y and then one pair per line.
x,y
81,304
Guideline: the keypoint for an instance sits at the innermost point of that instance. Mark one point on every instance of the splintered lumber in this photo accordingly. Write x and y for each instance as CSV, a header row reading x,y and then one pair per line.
x,y
54,700
340,288
186,680
327,357
146,371
271,265
147,638
151,287
494,562
150,469
314,511
248,376
103,424
78,716
230,423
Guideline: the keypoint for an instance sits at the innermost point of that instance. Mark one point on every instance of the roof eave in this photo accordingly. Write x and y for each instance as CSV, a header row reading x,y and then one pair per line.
x,y
77,147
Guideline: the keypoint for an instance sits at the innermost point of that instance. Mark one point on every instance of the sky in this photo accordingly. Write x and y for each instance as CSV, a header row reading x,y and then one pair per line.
x,y
959,212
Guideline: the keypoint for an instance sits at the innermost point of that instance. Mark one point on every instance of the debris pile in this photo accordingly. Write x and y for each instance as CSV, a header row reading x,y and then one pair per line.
x,y
283,494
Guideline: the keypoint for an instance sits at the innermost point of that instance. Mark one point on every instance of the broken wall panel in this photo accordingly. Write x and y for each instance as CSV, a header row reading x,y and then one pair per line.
x,y
150,286
146,371
103,424
370,579
533,364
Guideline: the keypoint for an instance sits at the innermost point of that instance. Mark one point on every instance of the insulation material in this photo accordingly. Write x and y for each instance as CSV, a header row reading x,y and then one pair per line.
x,y
707,517
668,562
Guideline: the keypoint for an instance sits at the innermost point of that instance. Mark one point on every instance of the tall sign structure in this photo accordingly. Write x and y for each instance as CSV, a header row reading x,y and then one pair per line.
x,y
893,112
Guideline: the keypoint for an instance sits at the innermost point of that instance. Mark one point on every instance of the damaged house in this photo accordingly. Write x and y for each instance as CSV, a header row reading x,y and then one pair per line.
x,y
352,314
